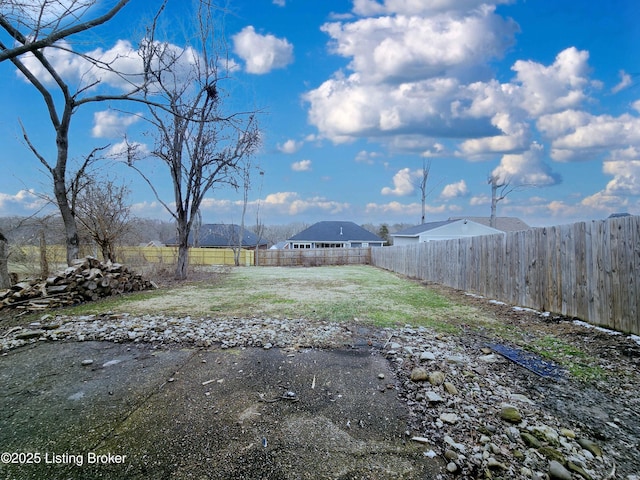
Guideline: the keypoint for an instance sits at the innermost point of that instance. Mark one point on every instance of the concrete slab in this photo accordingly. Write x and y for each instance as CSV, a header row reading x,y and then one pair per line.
x,y
137,413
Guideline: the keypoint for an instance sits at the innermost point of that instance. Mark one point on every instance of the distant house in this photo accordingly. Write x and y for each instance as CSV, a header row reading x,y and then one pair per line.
x,y
334,235
444,230
223,235
505,224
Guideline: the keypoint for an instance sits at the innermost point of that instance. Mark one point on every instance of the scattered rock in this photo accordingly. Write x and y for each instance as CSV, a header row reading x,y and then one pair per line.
x,y
436,378
419,374
558,472
433,397
572,467
552,454
450,388
426,356
28,334
449,418
529,440
495,464
590,446
86,362
510,414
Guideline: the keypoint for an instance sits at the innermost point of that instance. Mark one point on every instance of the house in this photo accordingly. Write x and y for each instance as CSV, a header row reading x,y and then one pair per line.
x,y
443,230
332,234
505,224
223,235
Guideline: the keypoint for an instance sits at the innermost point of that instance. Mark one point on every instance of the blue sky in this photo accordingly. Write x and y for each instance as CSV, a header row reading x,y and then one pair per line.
x,y
357,94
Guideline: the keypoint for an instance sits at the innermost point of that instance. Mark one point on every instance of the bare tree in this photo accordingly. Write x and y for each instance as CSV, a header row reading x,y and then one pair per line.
x,y
426,168
501,187
5,279
24,21
201,145
102,209
29,26
245,174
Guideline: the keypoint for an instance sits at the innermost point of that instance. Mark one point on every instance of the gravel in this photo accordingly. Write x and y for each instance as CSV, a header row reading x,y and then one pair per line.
x,y
487,417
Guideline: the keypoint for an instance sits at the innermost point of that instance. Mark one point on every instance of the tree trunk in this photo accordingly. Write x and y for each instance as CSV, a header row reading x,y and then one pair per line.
x,y
60,192
107,252
494,202
44,264
183,252
5,279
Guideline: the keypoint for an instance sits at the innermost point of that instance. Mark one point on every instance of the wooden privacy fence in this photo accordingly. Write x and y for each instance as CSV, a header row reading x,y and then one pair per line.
x,y
311,257
133,256
169,255
585,270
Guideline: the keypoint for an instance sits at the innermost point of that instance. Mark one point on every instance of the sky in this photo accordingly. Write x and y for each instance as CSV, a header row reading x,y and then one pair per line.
x,y
356,97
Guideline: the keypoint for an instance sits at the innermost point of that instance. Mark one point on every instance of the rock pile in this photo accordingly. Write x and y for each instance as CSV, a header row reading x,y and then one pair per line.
x,y
472,414
87,279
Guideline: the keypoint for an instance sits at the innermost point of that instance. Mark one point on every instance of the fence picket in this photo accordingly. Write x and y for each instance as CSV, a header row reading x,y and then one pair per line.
x,y
587,270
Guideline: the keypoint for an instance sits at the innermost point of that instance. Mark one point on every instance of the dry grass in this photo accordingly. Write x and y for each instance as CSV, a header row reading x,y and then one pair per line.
x,y
344,293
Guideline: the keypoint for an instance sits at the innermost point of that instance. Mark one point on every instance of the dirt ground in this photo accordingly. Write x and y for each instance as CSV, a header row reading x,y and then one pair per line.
x,y
203,414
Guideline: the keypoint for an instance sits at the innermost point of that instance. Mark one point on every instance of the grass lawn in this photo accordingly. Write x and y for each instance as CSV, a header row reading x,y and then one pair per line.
x,y
344,293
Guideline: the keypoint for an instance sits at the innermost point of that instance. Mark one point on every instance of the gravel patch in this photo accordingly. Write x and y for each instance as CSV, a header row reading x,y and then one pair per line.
x,y
487,417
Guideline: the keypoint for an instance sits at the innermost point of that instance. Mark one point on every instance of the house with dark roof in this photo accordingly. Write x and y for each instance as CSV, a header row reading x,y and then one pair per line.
x,y
334,234
443,230
505,224
223,235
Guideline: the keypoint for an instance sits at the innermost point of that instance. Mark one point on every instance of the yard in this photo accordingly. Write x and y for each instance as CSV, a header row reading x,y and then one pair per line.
x,y
598,393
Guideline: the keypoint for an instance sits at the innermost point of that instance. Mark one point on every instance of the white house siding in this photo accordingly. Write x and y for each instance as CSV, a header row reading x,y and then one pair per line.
x,y
405,240
459,229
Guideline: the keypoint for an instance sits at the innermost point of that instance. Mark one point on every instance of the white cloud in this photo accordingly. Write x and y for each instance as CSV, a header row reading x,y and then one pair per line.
x,y
127,151
366,157
24,201
418,47
403,183
454,190
516,136
404,210
262,53
557,87
626,177
124,62
280,3
108,124
579,136
301,166
604,202
290,146
290,203
527,168
625,81
480,200
417,7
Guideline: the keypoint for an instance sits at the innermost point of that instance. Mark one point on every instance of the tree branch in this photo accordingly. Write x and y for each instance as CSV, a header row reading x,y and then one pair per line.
x,y
48,41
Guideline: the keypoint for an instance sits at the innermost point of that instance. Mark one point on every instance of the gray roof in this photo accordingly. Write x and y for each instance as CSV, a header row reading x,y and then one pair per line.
x,y
222,235
330,231
425,227
506,224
